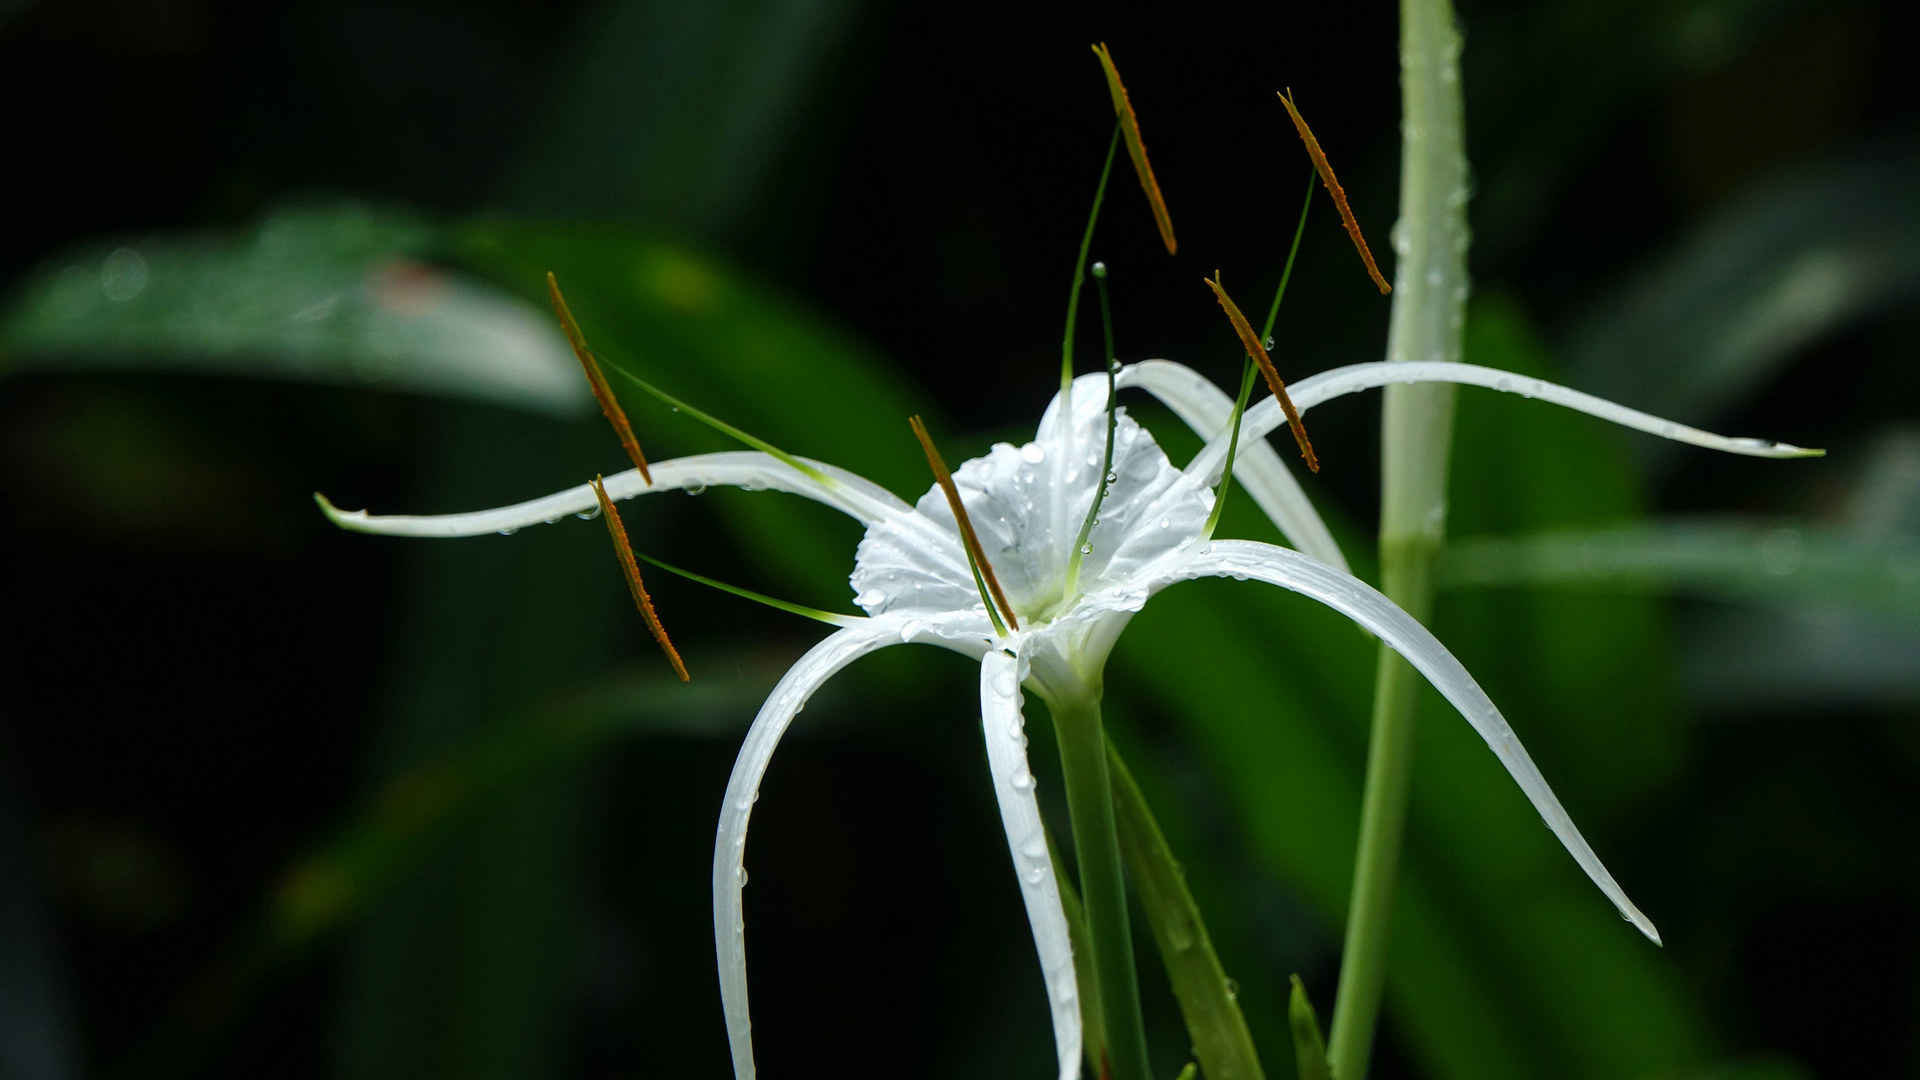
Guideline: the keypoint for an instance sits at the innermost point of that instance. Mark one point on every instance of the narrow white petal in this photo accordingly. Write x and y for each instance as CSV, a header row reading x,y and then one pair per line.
x,y
819,664
1257,467
851,494
1358,601
1308,392
1005,729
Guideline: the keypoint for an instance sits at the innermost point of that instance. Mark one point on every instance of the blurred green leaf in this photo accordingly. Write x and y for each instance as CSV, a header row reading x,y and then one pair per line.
x,y
336,294
1309,1047
1772,563
1792,260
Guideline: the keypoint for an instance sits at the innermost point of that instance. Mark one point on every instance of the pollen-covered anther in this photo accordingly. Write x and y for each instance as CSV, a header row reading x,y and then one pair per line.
x,y
624,552
1258,352
967,536
1136,149
602,393
1325,168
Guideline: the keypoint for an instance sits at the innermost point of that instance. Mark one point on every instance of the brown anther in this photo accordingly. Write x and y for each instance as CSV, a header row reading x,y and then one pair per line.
x,y
1325,169
609,405
1137,150
618,530
1258,352
967,535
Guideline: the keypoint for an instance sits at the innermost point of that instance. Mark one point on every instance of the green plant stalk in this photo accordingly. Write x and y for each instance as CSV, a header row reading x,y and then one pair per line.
x,y
1093,1018
1103,889
1206,996
1429,311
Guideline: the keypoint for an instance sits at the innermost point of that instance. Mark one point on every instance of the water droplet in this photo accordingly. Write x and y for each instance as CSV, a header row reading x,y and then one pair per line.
x,y
588,515
1093,460
696,489
1112,477
676,408
1035,875
1268,344
740,876
549,521
1022,780
1033,454
123,275
1233,990
1099,269
1086,549
1166,523
509,532
871,599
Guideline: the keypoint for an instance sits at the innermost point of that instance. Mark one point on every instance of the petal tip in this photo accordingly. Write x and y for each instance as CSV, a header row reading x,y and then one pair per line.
x,y
346,519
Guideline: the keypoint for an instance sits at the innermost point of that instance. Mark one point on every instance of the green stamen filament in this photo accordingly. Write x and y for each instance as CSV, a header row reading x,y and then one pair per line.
x,y
1246,368
1080,264
1081,548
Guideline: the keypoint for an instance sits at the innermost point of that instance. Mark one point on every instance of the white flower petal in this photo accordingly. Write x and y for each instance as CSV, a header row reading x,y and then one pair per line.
x,y
807,675
853,495
1005,729
1257,467
1266,416
1355,599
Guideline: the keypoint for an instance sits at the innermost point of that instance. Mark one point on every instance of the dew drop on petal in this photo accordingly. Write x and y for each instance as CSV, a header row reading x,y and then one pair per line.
x,y
1112,477
1033,454
508,532
588,515
696,489
1086,549
740,876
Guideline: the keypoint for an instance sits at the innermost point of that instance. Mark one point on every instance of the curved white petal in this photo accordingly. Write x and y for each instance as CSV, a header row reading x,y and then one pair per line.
x,y
812,670
1265,417
1005,728
847,492
1265,478
1356,600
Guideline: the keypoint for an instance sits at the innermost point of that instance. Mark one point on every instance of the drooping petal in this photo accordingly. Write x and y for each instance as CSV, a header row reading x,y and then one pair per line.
x,y
812,671
1358,601
851,494
1257,467
1005,729
1265,417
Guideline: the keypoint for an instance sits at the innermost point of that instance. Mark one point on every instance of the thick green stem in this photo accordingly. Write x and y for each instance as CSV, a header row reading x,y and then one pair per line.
x,y
1103,889
1383,816
1429,309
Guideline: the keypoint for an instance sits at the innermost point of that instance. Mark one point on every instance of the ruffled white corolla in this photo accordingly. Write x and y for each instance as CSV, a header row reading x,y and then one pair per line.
x,y
912,576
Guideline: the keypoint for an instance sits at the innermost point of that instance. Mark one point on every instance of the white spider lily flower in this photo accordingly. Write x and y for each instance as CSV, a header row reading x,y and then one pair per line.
x,y
912,576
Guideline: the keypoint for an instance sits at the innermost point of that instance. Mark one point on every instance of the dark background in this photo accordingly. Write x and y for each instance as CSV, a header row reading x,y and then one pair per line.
x,y
280,800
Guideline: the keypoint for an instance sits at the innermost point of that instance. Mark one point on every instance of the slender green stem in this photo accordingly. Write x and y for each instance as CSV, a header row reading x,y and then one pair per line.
x,y
1103,889
1429,301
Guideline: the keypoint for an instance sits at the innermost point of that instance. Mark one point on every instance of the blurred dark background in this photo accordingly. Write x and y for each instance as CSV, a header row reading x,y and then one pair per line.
x,y
280,800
